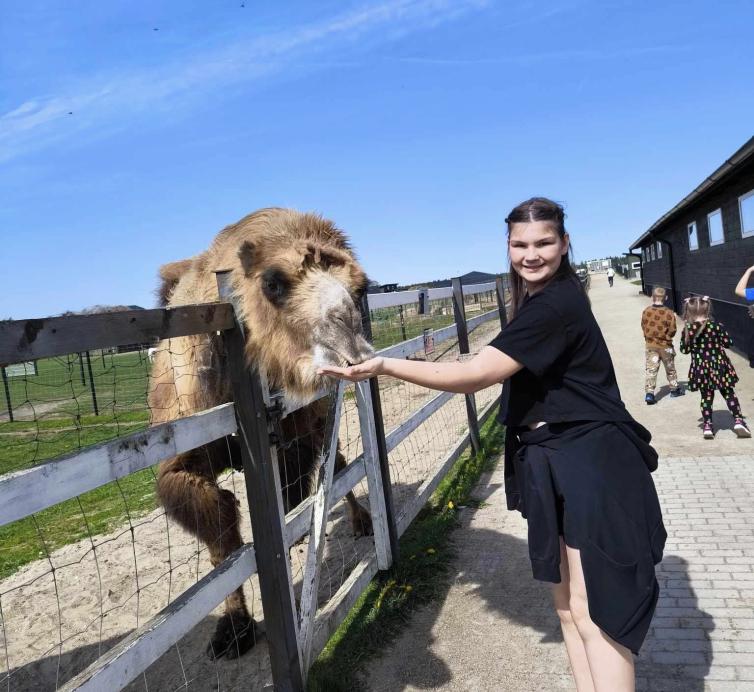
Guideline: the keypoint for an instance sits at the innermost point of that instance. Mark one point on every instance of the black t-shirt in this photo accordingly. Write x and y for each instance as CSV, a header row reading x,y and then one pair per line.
x,y
568,374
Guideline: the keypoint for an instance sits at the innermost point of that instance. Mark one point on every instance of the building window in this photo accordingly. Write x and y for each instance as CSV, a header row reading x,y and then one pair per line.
x,y
715,227
652,251
746,208
693,238
659,250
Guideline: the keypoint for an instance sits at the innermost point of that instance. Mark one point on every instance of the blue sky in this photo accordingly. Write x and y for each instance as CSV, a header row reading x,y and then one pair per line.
x,y
130,133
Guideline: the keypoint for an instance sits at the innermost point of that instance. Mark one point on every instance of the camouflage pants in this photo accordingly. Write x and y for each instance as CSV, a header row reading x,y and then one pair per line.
x,y
654,357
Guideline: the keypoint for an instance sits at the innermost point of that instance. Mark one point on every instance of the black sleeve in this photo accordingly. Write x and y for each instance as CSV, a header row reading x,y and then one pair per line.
x,y
536,337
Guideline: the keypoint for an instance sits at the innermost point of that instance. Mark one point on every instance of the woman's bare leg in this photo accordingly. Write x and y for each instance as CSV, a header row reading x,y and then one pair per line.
x,y
561,596
611,665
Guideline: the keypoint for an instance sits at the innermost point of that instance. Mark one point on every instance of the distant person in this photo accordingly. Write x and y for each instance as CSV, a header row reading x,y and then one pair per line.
x,y
711,369
658,325
610,275
742,290
577,465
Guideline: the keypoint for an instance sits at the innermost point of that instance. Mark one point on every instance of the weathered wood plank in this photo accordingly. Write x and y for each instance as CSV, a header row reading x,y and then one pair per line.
x,y
316,545
127,659
459,311
377,505
336,609
262,479
22,340
31,490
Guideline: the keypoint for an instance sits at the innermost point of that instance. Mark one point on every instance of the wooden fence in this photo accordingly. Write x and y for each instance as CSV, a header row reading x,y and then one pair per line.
x,y
294,640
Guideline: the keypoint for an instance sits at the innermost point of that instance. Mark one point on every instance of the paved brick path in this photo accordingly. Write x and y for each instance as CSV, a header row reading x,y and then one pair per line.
x,y
495,629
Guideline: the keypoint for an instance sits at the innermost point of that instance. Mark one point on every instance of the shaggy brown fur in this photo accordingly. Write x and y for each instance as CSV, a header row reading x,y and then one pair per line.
x,y
296,282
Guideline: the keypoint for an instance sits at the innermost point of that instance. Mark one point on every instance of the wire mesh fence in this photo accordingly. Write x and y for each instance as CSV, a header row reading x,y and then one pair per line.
x,y
78,577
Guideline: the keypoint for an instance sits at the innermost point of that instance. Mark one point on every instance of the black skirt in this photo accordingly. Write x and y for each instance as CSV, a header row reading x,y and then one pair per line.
x,y
590,483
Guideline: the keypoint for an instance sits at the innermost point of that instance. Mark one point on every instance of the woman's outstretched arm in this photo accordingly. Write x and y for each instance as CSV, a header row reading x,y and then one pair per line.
x,y
743,282
490,366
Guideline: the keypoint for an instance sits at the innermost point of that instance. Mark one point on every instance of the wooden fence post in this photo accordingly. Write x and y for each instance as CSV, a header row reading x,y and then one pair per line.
x,y
316,546
377,504
7,394
262,479
463,346
91,383
500,291
379,430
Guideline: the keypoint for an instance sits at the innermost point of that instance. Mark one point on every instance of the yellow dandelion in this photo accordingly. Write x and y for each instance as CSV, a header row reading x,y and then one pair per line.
x,y
431,551
451,505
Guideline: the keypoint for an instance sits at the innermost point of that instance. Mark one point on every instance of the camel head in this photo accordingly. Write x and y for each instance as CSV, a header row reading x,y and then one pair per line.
x,y
299,287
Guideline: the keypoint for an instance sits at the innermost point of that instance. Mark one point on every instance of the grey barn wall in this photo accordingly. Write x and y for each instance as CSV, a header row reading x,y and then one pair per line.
x,y
711,270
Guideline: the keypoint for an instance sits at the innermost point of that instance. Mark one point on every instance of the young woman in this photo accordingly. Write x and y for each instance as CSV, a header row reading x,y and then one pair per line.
x,y
577,466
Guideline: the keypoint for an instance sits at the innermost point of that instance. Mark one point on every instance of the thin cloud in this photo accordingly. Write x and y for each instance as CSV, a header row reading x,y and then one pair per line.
x,y
107,101
578,54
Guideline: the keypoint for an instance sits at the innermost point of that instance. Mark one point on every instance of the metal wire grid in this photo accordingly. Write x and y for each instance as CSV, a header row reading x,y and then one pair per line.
x,y
61,611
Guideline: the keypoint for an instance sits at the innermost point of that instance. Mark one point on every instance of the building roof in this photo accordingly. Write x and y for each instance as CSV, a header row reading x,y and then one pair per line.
x,y
734,162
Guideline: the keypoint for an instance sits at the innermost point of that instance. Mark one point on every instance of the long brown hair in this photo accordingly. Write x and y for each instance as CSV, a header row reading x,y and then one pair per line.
x,y
538,209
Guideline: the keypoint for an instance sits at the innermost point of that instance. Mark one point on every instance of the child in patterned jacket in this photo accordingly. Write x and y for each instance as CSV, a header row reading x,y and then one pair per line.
x,y
658,325
711,369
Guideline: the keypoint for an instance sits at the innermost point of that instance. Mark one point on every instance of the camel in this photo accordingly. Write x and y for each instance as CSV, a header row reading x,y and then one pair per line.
x,y
297,285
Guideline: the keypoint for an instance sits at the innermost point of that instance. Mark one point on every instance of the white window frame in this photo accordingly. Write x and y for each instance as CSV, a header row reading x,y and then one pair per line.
x,y
692,248
722,228
659,250
744,231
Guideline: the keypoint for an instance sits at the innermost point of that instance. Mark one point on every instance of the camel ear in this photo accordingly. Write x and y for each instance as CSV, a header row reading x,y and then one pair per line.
x,y
246,255
325,256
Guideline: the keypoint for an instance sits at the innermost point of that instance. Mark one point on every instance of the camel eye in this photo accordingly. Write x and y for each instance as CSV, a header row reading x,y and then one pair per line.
x,y
275,286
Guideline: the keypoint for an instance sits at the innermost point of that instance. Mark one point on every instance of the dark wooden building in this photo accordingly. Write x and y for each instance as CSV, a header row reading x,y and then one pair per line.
x,y
705,242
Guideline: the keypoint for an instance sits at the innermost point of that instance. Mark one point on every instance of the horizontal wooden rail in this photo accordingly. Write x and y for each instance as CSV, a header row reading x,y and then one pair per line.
x,y
389,300
134,654
24,340
24,492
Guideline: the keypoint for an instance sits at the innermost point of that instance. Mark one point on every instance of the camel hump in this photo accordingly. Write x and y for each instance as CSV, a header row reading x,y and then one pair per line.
x,y
170,275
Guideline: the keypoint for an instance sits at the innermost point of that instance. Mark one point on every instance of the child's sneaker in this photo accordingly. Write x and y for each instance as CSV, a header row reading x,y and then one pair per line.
x,y
708,432
678,391
740,428
649,397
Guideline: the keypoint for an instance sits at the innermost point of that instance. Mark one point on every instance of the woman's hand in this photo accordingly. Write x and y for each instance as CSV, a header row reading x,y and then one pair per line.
x,y
355,373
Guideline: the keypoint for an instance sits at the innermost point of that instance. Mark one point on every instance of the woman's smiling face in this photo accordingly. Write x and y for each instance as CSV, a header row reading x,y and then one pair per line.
x,y
535,251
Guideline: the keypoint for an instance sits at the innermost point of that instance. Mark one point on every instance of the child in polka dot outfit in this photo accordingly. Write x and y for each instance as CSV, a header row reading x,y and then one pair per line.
x,y
711,369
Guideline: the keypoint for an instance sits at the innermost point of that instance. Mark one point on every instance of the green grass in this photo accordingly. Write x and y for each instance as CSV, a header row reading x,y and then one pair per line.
x,y
636,282
120,384
65,422
421,575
